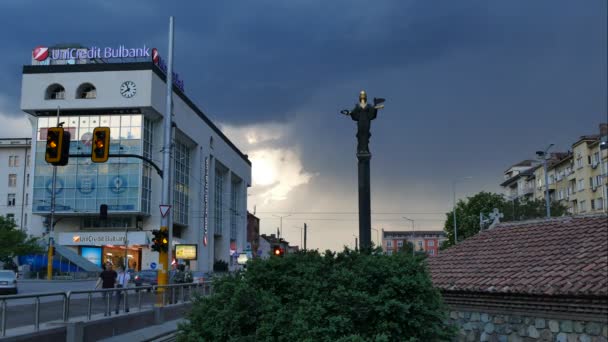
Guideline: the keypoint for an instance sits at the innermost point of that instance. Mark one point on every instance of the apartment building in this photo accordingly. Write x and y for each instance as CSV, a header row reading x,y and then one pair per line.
x,y
15,158
577,178
427,241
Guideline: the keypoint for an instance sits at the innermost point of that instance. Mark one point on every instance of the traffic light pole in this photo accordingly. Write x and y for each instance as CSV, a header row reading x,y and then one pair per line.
x,y
165,223
125,155
49,261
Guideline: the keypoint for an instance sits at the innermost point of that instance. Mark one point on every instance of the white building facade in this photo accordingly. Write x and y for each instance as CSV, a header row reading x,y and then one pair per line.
x,y
14,188
210,175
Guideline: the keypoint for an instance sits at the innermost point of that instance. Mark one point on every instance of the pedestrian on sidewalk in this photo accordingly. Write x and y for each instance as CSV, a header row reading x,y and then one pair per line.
x,y
123,282
107,280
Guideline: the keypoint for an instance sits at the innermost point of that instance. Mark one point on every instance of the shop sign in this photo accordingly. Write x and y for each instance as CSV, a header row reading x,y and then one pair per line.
x,y
41,53
101,238
185,252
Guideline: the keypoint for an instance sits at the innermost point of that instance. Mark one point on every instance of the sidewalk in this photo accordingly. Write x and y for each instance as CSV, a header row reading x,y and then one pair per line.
x,y
147,334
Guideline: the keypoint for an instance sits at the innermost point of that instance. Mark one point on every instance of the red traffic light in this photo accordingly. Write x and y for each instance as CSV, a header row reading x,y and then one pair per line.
x,y
278,251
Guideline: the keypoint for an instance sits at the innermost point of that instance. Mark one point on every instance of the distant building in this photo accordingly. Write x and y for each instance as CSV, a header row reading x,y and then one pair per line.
x,y
427,241
574,177
253,233
15,194
268,242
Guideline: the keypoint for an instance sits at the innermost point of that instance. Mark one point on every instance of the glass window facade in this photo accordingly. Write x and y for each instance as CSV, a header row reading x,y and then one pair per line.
x,y
82,186
146,180
234,209
181,183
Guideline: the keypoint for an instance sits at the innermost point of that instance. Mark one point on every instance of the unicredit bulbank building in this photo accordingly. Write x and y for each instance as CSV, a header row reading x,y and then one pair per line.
x,y
124,88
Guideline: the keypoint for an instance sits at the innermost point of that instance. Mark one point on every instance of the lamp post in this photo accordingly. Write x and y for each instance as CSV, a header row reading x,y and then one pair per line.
x,y
603,147
413,241
454,208
281,217
543,155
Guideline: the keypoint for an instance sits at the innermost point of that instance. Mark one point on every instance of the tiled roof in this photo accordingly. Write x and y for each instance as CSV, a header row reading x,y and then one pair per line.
x,y
559,256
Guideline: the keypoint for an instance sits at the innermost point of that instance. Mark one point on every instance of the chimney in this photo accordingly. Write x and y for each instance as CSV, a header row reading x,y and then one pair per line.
x,y
603,129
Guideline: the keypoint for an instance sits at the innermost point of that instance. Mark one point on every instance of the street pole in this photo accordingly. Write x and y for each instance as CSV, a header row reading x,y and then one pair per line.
x,y
166,224
49,261
305,233
603,147
543,154
547,203
281,220
413,237
454,212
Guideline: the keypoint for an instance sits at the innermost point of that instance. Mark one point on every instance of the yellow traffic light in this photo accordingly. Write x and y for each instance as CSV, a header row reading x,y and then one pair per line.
x,y
57,146
100,145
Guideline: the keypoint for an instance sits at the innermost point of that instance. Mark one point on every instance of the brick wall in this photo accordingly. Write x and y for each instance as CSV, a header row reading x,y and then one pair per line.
x,y
482,326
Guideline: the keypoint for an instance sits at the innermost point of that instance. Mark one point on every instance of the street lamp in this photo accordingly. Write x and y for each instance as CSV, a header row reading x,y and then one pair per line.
x,y
543,155
413,241
454,208
281,217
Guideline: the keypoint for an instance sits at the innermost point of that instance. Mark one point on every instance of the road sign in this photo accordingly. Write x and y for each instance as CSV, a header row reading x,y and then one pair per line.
x,y
164,209
153,265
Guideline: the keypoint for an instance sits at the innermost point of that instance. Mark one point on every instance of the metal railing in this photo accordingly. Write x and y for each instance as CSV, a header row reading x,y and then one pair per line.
x,y
163,295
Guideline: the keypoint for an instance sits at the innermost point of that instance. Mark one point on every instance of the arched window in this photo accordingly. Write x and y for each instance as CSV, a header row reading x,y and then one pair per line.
x,y
55,92
86,91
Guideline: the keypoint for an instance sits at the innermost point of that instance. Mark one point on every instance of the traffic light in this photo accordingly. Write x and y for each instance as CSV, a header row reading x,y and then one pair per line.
x,y
57,146
277,251
160,241
100,147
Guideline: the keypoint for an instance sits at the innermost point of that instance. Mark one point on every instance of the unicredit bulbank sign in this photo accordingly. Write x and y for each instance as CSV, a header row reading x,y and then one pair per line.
x,y
41,53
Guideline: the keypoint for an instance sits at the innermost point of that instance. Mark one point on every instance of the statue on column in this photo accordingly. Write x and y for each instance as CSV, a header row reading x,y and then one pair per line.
x,y
363,113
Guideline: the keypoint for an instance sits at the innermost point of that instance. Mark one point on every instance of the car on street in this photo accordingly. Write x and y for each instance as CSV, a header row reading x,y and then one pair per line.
x,y
8,282
146,278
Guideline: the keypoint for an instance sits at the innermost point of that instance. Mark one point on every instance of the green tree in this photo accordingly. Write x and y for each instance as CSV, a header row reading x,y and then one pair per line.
x,y
468,210
306,296
15,242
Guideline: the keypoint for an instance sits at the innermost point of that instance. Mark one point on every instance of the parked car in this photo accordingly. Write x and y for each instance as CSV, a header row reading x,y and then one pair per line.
x,y
146,278
8,282
200,277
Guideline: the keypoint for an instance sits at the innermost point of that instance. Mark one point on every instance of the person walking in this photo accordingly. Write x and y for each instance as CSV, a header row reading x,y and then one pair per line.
x,y
107,280
123,282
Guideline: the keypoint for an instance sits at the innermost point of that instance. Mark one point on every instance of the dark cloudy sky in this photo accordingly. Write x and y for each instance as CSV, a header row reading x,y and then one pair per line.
x,y
472,86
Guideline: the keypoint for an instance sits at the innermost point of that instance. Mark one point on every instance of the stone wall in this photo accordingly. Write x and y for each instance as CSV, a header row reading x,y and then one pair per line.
x,y
513,327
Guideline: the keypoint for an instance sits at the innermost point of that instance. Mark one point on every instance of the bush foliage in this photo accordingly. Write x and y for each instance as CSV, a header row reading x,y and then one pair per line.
x,y
349,296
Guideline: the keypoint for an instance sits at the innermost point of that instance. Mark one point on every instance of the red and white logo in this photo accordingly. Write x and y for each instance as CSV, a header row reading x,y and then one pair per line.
x,y
155,56
40,53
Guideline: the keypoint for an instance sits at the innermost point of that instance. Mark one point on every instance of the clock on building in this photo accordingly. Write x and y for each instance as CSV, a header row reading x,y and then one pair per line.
x,y
128,89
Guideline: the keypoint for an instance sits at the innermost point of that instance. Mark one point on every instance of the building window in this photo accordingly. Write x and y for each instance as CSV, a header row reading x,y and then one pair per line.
x,y
27,199
218,201
431,251
146,181
420,245
24,220
10,217
581,184
182,183
431,243
389,244
579,162
27,162
599,203
596,158
12,180
399,243
10,201
234,209
389,252
13,161
27,179
55,92
582,206
86,91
